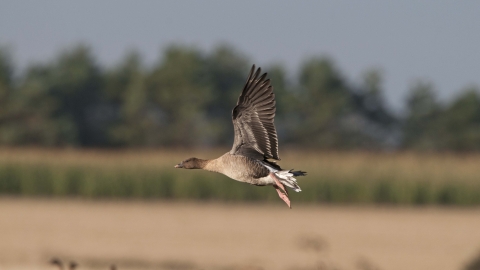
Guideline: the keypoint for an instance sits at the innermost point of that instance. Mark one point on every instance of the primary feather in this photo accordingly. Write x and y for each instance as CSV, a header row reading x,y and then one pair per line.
x,y
253,116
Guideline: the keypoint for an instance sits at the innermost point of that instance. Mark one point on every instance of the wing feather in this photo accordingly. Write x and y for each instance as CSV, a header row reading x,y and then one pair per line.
x,y
253,119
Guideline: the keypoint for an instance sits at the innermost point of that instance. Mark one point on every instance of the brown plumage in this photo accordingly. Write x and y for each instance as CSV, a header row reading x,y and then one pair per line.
x,y
255,141
255,134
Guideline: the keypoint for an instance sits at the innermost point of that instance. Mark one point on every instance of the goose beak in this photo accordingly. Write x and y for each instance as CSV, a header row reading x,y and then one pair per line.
x,y
178,166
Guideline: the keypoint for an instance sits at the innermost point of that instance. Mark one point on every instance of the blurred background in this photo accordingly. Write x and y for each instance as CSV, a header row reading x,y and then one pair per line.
x,y
378,102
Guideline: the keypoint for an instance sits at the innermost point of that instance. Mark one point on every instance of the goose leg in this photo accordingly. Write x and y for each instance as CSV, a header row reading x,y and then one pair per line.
x,y
280,188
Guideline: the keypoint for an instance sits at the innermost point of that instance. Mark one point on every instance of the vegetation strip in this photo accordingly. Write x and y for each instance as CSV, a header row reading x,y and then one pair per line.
x,y
344,178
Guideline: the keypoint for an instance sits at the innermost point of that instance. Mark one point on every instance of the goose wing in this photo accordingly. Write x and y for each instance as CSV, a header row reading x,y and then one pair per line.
x,y
255,134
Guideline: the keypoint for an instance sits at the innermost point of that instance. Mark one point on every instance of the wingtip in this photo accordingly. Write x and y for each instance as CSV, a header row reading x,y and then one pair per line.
x,y
252,70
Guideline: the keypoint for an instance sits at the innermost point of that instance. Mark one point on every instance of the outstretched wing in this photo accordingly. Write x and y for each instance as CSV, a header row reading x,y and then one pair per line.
x,y
255,134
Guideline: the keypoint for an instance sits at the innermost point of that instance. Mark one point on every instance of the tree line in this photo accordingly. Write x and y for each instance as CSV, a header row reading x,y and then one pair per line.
x,y
185,99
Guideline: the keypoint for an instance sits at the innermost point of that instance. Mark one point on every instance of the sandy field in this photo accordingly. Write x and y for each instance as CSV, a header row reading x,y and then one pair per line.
x,y
163,235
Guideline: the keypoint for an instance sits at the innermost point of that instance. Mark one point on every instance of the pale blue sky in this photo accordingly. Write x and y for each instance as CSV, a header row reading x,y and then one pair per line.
x,y
434,40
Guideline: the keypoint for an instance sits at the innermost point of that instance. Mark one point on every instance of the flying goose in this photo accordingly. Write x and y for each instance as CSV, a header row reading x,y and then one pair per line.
x,y
255,142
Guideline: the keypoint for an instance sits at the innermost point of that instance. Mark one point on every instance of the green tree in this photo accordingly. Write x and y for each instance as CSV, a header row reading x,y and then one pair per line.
x,y
324,100
7,134
227,70
36,111
26,111
137,123
6,74
376,126
373,103
180,85
75,82
60,103
422,127
461,122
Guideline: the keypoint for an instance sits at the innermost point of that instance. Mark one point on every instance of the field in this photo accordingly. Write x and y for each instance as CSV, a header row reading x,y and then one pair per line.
x,y
171,235
358,210
333,177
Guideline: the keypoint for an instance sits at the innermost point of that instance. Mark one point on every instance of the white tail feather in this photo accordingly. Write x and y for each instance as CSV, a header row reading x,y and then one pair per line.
x,y
286,177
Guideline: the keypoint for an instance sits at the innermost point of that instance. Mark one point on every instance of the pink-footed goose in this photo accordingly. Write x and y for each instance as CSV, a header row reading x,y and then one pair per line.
x,y
255,142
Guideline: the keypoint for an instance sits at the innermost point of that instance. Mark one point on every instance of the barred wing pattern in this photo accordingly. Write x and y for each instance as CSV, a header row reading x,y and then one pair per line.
x,y
255,134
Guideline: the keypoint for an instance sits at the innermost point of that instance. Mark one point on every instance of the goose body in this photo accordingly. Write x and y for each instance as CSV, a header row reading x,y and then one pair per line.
x,y
240,168
255,143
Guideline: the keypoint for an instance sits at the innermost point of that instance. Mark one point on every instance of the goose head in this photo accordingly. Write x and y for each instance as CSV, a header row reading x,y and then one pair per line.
x,y
191,163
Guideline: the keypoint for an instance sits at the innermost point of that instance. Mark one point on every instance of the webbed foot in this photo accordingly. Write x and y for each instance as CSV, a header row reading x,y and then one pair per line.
x,y
280,188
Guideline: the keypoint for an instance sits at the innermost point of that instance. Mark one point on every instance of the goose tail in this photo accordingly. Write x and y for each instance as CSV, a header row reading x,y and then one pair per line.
x,y
287,178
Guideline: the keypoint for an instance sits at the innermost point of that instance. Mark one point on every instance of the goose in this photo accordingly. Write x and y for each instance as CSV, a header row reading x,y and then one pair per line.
x,y
57,262
72,265
253,156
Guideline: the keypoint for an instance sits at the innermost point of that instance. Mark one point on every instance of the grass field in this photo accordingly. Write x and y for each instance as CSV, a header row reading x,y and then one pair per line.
x,y
333,177
216,236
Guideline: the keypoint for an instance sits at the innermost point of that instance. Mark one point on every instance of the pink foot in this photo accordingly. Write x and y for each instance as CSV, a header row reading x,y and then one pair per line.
x,y
280,188
283,196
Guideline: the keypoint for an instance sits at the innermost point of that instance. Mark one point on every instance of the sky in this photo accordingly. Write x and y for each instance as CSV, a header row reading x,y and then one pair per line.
x,y
435,41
